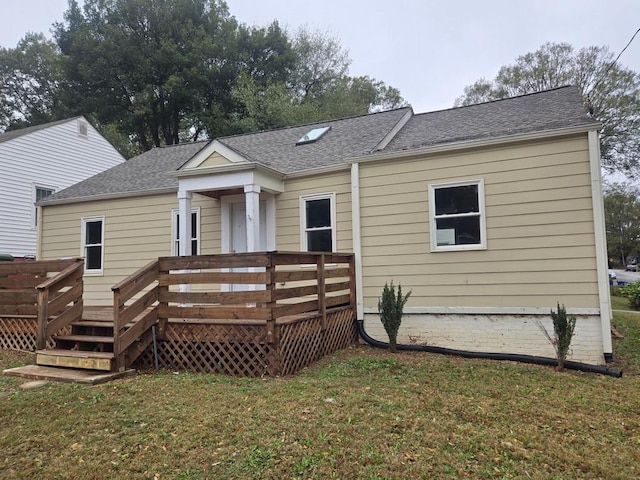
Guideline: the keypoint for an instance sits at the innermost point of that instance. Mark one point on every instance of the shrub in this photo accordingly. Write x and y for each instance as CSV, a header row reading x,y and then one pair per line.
x,y
632,292
563,328
390,307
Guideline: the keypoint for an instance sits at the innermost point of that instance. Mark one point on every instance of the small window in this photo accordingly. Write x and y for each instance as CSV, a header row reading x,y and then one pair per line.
x,y
93,244
318,222
40,194
83,129
195,232
313,135
457,216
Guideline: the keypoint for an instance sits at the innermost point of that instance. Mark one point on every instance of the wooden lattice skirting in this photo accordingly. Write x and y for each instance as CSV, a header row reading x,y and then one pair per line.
x,y
243,350
19,333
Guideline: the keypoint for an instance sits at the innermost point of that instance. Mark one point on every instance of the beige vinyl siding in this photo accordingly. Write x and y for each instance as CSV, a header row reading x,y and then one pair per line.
x,y
539,218
137,230
288,209
213,160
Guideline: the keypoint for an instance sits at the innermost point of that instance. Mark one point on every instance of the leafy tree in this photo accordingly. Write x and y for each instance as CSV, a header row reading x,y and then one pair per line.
x,y
148,65
30,83
622,220
611,94
318,88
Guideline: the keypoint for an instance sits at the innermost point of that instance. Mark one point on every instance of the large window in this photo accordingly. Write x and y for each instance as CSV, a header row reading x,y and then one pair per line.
x,y
40,193
457,216
195,232
318,223
93,244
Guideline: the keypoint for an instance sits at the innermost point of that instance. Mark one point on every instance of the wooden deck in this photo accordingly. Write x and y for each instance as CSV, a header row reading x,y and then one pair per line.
x,y
291,310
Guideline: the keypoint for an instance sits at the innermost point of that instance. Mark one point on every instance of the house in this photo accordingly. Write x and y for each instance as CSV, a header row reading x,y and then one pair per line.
x,y
37,162
491,214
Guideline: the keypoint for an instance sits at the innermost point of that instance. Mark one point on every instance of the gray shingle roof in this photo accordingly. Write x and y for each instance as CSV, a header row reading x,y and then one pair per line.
x,y
348,138
12,134
560,107
147,172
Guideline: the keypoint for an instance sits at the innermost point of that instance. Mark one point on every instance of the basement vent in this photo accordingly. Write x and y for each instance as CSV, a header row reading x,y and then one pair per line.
x,y
313,135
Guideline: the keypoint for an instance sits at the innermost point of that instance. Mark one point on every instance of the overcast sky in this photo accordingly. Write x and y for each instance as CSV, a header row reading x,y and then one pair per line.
x,y
428,49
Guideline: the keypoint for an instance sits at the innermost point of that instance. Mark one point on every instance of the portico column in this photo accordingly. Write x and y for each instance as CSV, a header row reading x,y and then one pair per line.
x,y
252,201
184,223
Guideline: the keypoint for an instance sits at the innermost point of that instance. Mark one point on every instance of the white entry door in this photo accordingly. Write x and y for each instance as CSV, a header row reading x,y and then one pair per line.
x,y
238,228
238,233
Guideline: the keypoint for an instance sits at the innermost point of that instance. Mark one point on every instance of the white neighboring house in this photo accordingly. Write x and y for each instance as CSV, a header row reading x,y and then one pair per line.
x,y
38,161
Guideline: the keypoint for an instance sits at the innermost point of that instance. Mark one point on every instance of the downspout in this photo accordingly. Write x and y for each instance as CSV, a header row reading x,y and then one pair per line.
x,y
356,236
512,357
601,244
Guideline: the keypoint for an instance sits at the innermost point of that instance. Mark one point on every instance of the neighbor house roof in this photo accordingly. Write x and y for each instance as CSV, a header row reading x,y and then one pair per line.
x,y
12,134
557,108
347,138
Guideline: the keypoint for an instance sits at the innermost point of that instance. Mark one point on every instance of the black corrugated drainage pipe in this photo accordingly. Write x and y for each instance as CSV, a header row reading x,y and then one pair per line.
x,y
583,367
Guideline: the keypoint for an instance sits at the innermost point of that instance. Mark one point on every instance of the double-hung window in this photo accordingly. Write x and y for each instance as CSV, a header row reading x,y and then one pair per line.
x,y
457,216
195,232
93,245
318,233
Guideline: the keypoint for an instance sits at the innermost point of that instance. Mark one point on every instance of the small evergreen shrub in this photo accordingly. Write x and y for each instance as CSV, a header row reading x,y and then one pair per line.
x,y
563,327
632,292
390,307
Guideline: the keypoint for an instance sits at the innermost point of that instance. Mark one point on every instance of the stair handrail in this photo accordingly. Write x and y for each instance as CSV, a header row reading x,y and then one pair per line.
x,y
124,291
65,306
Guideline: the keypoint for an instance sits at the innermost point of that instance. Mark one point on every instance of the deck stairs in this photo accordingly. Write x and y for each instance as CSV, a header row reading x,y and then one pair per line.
x,y
89,345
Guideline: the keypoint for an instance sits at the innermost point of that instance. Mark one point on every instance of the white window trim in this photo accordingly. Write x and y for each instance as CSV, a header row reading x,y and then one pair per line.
x,y
83,234
33,198
174,231
303,218
432,216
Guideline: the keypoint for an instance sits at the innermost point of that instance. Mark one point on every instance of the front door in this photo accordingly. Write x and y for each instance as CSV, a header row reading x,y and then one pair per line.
x,y
238,234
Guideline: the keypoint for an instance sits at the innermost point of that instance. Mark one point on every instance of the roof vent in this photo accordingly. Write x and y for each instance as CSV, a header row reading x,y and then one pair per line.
x,y
313,135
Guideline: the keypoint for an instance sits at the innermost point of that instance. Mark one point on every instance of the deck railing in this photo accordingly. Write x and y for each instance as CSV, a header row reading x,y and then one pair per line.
x,y
49,290
259,288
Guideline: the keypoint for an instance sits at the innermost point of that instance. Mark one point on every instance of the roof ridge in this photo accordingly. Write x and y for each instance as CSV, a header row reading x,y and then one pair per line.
x,y
319,122
497,100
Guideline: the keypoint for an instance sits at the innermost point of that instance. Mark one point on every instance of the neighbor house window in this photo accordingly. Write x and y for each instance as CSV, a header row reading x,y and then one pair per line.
x,y
457,216
40,194
93,244
318,223
195,232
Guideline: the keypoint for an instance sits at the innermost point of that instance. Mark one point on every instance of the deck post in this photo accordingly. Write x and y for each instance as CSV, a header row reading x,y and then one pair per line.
x,y
322,294
116,330
353,299
272,334
43,318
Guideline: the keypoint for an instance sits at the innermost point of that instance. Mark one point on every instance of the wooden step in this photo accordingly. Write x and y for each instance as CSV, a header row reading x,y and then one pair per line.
x,y
93,323
76,359
84,338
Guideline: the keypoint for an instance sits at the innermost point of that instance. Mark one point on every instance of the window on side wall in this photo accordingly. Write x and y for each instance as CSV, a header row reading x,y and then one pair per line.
x,y
457,216
40,193
195,232
318,232
93,245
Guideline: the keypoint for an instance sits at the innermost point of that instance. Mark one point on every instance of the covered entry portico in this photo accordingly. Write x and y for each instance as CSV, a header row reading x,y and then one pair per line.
x,y
246,192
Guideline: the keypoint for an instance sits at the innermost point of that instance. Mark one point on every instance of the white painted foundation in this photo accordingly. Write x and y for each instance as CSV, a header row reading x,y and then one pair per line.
x,y
494,333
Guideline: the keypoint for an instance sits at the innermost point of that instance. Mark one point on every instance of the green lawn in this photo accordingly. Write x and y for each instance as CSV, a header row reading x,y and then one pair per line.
x,y
362,413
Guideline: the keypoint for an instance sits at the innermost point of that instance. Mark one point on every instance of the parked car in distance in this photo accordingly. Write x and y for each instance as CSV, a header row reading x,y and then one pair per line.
x,y
632,267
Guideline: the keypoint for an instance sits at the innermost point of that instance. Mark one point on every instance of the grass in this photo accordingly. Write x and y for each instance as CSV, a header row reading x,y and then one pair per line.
x,y
361,413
